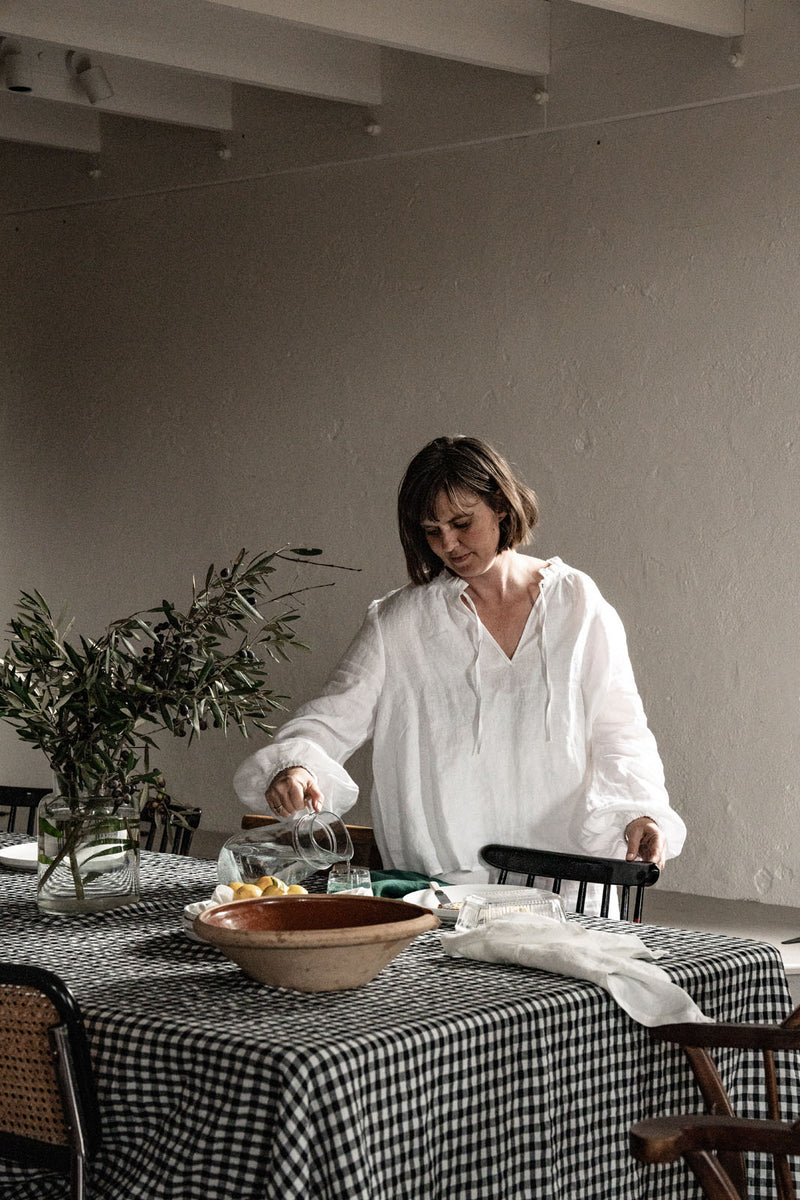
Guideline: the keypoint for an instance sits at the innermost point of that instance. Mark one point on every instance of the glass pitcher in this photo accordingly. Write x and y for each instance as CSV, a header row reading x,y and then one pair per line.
x,y
290,849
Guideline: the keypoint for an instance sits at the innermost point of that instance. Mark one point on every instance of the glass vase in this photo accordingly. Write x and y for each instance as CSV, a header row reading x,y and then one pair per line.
x,y
88,853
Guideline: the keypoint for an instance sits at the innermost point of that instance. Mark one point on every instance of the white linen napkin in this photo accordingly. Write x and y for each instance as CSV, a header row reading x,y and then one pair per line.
x,y
618,962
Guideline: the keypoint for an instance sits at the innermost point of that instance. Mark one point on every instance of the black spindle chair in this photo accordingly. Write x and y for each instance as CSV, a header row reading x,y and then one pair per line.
x,y
16,801
580,868
168,827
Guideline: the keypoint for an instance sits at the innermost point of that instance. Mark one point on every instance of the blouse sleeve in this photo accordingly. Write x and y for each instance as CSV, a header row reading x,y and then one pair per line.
x,y
323,733
626,777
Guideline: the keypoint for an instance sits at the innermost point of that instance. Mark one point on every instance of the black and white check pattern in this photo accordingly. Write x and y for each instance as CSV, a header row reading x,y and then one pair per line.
x,y
443,1079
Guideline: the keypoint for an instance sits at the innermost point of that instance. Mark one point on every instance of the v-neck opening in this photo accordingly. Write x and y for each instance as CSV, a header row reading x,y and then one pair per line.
x,y
509,658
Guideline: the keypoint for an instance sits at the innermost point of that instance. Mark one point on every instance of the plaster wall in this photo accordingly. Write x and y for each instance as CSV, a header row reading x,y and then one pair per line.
x,y
613,305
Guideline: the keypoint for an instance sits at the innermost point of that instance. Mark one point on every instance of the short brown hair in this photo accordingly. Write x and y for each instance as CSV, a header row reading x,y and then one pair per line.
x,y
455,465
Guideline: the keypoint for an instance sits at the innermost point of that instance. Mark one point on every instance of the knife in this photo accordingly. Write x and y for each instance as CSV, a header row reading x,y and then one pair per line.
x,y
442,897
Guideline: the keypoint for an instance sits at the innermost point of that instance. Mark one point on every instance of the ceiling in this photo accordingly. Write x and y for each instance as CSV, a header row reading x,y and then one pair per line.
x,y
65,62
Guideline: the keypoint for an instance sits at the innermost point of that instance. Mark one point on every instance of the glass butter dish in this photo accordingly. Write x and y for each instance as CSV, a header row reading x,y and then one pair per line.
x,y
477,910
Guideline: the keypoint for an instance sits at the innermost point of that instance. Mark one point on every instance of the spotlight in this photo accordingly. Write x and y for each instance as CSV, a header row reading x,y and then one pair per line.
x,y
17,67
92,80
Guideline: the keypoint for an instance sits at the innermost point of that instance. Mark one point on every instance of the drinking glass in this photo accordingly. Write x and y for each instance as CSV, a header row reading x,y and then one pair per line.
x,y
355,881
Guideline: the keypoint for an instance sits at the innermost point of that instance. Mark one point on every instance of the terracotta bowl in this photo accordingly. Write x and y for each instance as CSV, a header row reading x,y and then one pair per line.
x,y
313,943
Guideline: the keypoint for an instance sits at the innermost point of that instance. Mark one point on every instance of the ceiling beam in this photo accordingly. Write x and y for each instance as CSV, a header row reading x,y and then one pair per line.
x,y
510,35
26,119
724,18
211,39
140,89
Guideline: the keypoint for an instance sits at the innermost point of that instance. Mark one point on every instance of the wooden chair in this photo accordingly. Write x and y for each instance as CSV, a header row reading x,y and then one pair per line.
x,y
546,864
167,827
49,1113
366,853
14,800
714,1144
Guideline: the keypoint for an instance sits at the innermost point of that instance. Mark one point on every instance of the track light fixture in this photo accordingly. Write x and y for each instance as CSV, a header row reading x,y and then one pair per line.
x,y
17,67
91,79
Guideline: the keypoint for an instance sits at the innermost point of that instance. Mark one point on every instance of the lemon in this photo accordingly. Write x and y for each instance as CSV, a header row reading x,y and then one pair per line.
x,y
266,881
296,889
248,891
274,891
237,883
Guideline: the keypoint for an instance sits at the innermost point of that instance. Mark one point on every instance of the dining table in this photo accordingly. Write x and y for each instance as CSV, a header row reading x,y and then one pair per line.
x,y
442,1079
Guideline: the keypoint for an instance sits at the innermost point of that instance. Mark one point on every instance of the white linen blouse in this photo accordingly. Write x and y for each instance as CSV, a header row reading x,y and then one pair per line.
x,y
549,748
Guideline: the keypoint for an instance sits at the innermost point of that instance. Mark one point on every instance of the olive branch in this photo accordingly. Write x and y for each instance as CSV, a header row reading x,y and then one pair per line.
x,y
95,706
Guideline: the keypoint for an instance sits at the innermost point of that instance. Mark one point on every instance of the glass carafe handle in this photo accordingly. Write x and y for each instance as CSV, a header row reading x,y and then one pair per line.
x,y
321,838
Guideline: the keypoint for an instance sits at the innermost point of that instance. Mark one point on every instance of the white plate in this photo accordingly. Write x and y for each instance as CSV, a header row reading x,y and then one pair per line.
x,y
222,895
189,913
22,857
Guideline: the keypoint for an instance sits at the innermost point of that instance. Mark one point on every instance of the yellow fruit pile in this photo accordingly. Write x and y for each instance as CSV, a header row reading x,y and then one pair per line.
x,y
267,885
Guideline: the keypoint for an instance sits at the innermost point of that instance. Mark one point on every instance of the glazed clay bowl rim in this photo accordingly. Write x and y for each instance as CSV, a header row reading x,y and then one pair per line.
x,y
207,926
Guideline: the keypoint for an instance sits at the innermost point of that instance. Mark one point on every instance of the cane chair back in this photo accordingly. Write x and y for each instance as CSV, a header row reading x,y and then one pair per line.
x,y
167,827
20,802
366,852
714,1145
49,1113
582,869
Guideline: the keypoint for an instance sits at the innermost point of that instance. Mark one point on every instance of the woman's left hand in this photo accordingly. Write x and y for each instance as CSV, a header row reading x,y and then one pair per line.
x,y
646,841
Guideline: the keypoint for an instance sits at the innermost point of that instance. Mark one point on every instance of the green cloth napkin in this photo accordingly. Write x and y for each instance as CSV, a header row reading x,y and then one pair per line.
x,y
397,884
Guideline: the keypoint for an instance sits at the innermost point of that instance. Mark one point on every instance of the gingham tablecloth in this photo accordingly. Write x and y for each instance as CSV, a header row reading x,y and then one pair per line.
x,y
443,1079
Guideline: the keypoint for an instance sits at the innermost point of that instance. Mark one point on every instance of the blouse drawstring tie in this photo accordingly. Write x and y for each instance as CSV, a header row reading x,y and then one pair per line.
x,y
545,667
474,676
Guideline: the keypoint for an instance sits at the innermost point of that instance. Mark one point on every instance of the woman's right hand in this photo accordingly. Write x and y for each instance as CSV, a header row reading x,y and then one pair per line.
x,y
293,790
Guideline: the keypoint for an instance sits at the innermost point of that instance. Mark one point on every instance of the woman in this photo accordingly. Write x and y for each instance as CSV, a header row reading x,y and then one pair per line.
x,y
496,688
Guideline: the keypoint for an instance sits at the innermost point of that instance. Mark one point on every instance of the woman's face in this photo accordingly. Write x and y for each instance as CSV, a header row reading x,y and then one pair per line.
x,y
464,534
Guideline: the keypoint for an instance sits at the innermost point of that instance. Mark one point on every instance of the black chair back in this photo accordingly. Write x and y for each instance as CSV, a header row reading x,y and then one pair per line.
x,y
49,1112
580,868
168,827
20,801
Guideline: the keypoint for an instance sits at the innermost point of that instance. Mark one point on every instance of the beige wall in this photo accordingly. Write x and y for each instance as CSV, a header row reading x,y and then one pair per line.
x,y
188,370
